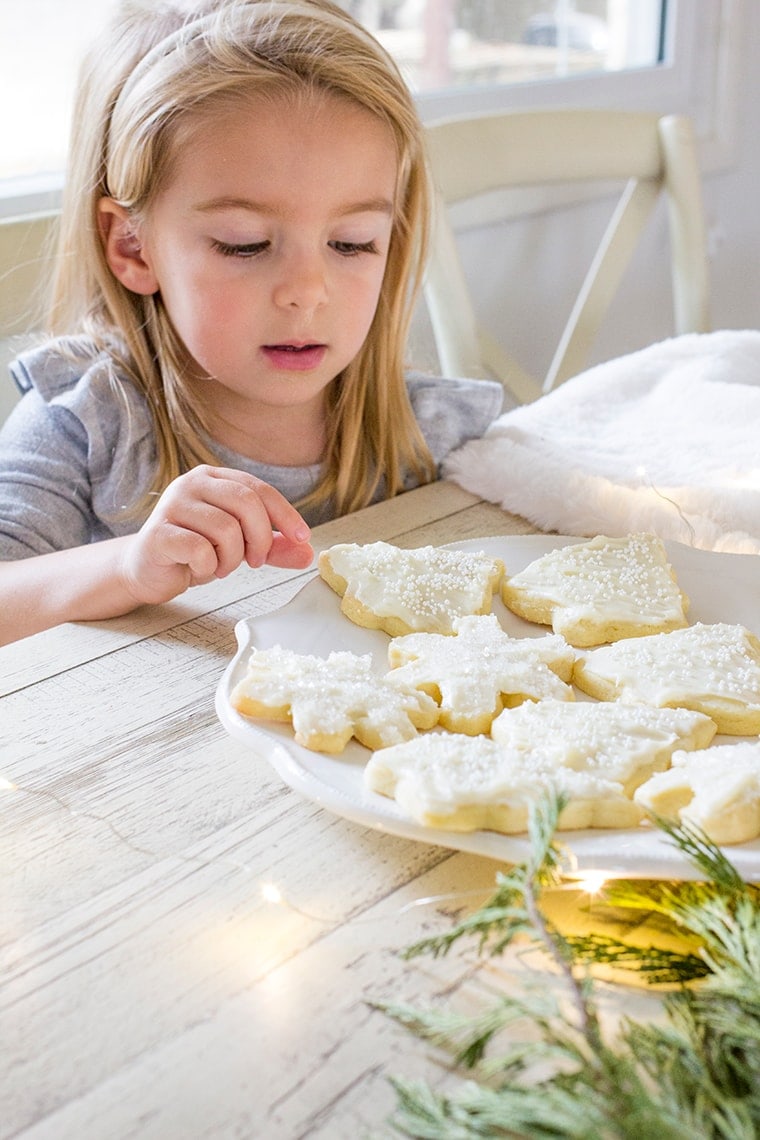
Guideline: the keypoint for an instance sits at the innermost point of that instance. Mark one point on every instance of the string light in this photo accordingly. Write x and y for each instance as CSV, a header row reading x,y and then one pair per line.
x,y
271,893
642,474
451,896
591,882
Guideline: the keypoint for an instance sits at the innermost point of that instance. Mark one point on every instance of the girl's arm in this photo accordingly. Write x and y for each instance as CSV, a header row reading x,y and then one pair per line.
x,y
204,525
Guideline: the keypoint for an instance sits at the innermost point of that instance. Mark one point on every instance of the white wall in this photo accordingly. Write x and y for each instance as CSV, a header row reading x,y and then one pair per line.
x,y
732,201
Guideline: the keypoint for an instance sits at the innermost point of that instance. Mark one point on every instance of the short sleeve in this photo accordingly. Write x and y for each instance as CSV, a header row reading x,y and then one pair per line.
x,y
76,453
44,483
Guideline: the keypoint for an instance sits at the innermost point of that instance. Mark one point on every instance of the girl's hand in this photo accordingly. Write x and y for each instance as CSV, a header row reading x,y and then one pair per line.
x,y
204,525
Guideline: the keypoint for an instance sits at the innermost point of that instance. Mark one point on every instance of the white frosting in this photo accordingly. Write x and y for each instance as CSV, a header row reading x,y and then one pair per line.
x,y
426,588
699,662
709,783
480,664
613,740
606,579
333,695
437,774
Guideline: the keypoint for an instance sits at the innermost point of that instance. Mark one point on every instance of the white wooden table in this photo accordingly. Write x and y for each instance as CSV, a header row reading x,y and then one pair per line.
x,y
149,986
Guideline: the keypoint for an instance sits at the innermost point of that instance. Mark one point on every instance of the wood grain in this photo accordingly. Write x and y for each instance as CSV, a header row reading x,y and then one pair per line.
x,y
149,989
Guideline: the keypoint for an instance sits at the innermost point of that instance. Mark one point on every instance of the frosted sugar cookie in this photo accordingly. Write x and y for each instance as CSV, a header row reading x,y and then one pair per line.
x,y
403,591
481,670
717,790
600,590
623,743
329,700
464,783
714,669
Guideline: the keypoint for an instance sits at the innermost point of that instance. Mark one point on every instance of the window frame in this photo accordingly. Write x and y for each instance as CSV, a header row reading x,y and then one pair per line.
x,y
699,77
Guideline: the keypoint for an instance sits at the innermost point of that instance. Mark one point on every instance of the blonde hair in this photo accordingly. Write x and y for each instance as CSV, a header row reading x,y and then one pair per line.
x,y
140,91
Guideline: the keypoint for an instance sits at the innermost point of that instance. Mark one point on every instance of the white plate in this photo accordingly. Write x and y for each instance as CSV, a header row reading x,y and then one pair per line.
x,y
721,587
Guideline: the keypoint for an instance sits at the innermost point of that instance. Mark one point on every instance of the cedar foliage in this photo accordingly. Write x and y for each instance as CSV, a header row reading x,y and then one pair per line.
x,y
695,1075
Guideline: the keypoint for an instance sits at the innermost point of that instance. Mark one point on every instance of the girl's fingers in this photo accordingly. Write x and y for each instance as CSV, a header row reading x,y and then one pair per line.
x,y
290,555
259,509
237,515
283,515
180,547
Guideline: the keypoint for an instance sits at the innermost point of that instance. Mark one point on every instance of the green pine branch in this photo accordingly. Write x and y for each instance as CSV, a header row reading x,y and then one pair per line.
x,y
696,1075
653,964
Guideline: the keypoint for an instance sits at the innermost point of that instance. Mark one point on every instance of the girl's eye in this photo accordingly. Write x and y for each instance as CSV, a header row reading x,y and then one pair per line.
x,y
353,248
247,249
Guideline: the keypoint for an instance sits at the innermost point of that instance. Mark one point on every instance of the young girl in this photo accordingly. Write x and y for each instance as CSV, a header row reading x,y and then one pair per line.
x,y
242,239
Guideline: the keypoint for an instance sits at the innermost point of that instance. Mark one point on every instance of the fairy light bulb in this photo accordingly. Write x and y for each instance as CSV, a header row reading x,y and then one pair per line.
x,y
591,882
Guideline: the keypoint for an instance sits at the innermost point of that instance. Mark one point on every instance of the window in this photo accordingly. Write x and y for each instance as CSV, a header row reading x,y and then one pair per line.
x,y
41,44
459,56
466,43
693,69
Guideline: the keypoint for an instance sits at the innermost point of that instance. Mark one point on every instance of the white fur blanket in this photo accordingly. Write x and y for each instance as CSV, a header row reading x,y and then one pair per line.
x,y
665,440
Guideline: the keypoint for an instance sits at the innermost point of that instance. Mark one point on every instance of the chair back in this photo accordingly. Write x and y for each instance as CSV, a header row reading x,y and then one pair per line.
x,y
652,154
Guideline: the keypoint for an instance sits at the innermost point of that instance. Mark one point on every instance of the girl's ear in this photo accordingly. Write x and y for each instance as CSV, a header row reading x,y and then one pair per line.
x,y
123,248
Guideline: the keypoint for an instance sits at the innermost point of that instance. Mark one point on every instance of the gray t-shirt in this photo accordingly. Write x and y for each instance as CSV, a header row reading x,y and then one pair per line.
x,y
76,454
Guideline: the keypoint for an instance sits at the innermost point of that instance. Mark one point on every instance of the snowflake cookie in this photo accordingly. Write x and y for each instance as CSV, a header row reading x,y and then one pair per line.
x,y
481,670
329,700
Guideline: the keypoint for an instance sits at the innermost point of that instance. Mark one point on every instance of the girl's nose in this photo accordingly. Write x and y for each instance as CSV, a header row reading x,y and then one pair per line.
x,y
302,283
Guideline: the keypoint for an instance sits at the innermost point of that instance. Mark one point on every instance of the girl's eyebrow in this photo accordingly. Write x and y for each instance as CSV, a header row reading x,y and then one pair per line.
x,y
370,206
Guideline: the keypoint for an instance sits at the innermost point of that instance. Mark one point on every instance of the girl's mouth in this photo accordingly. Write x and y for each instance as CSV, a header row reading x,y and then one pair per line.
x,y
294,357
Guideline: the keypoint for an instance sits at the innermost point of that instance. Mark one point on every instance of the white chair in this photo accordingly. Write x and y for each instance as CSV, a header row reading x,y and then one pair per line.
x,y
472,156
